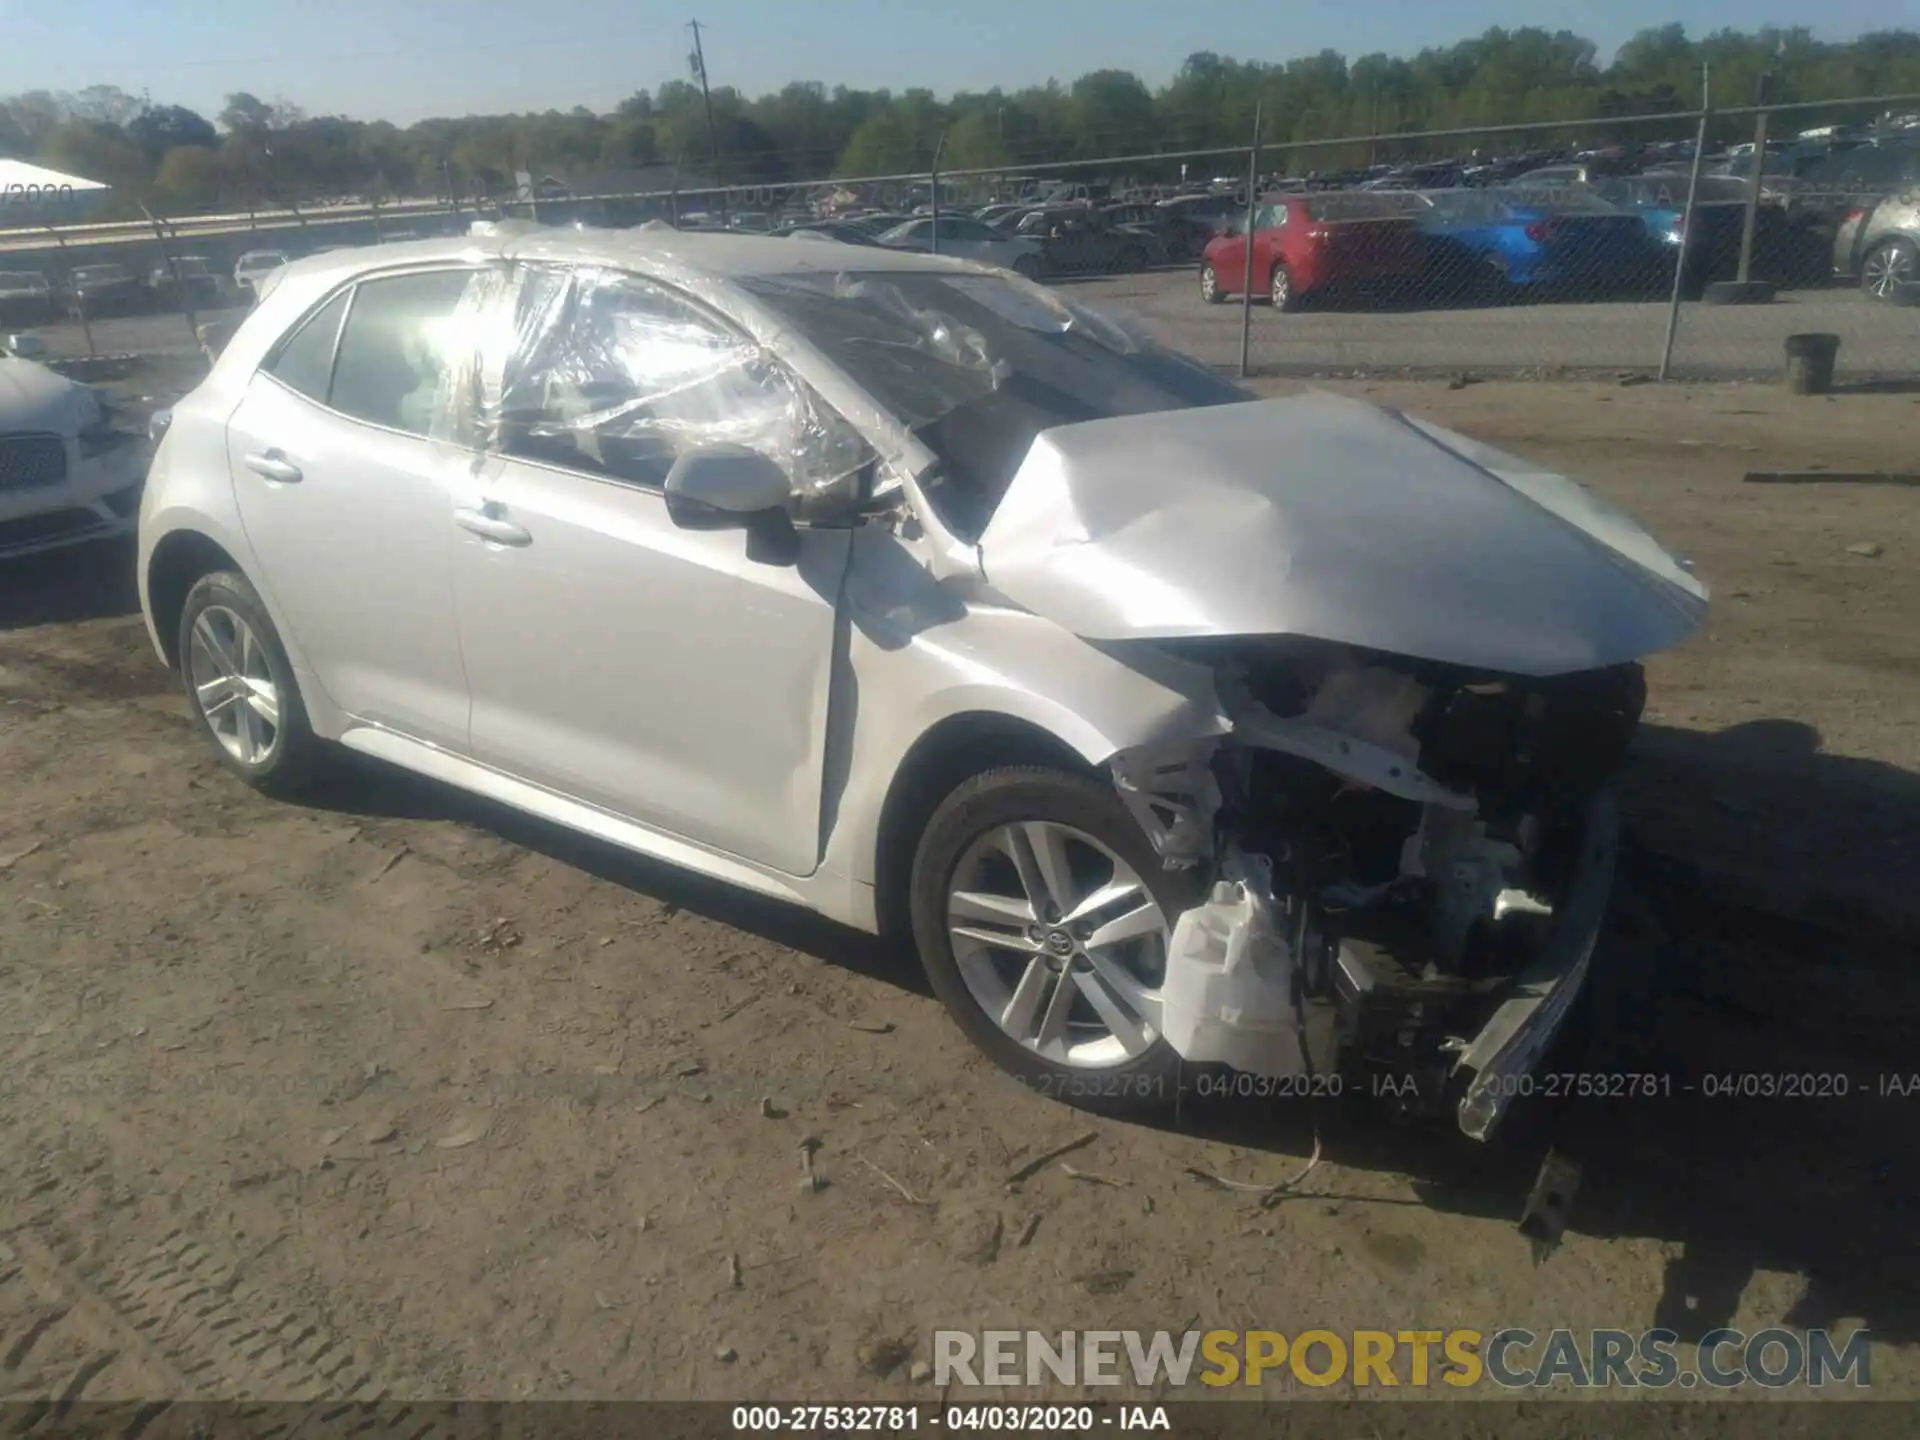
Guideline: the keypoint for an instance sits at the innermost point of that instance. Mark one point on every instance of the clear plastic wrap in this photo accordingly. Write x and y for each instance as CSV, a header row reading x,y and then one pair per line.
x,y
614,374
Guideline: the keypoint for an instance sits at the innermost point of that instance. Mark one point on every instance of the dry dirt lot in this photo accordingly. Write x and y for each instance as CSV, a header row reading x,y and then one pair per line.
x,y
402,1092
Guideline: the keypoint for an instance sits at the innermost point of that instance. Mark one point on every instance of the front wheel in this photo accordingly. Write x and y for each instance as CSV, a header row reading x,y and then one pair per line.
x,y
1210,290
1027,268
1042,915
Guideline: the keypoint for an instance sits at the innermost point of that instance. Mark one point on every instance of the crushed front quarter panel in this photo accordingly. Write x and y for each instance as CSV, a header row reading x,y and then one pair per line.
x,y
1323,517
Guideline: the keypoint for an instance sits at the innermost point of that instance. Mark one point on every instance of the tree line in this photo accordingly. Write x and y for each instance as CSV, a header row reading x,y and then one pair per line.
x,y
178,161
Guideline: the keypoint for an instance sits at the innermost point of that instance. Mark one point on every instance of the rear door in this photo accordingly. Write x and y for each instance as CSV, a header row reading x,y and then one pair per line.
x,y
345,499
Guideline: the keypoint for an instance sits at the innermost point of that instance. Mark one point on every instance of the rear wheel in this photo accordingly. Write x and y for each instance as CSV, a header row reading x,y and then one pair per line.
x,y
241,686
1280,290
1210,290
1043,915
1888,267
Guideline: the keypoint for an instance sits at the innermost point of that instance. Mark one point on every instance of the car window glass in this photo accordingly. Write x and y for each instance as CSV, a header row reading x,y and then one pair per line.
x,y
394,355
305,358
617,376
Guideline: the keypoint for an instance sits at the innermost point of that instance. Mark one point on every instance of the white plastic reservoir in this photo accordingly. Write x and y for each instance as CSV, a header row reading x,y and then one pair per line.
x,y
1228,997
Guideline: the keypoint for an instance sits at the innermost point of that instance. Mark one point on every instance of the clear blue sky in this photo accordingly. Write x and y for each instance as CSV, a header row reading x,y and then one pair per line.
x,y
404,60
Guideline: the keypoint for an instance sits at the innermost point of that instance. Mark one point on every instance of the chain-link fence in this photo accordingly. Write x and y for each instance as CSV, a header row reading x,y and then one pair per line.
x,y
1651,244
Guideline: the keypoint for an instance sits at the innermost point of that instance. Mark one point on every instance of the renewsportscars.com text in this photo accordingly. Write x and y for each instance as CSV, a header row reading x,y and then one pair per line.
x,y
1510,1358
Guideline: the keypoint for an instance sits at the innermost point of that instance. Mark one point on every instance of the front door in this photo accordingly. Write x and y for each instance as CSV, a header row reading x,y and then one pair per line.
x,y
345,500
655,672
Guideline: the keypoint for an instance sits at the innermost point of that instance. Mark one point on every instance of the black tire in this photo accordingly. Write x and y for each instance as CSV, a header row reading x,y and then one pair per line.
x,y
295,754
1007,795
1280,292
1885,267
1027,267
1210,290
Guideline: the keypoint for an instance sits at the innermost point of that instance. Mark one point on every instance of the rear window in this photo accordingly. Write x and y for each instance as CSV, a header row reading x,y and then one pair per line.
x,y
392,353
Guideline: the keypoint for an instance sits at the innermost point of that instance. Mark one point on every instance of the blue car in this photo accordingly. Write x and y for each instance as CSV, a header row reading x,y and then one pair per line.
x,y
1502,244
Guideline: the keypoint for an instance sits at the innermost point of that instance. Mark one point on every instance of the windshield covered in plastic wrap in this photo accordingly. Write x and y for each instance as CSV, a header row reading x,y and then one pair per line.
x,y
976,365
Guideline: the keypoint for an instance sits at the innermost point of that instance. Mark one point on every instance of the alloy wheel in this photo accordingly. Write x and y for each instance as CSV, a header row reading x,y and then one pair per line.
x,y
1886,268
1060,943
233,685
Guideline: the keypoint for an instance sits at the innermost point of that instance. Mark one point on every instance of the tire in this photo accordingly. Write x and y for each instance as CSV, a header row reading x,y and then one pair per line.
x,y
1070,1051
1280,290
1885,267
1027,267
1210,290
264,738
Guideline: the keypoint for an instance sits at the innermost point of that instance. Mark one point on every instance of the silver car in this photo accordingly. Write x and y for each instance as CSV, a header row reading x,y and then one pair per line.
x,y
69,471
1179,730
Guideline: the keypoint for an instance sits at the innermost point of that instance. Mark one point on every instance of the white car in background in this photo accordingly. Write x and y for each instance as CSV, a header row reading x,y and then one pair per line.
x,y
965,238
68,474
253,267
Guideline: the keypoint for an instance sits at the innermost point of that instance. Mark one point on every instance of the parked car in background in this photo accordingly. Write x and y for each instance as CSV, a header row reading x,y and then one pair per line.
x,y
967,239
254,266
1879,244
1787,250
27,298
991,214
68,472
757,221
1167,239
879,222
189,280
105,290
949,609
1872,193
1329,243
1494,244
829,230
1079,240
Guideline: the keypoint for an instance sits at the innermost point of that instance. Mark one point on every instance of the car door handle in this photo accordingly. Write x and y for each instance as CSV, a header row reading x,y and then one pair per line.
x,y
491,527
273,465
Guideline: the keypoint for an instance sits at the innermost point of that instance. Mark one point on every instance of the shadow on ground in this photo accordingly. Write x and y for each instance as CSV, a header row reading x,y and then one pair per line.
x,y
1705,992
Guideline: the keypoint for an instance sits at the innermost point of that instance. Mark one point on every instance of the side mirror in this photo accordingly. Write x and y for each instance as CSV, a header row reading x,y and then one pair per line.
x,y
728,487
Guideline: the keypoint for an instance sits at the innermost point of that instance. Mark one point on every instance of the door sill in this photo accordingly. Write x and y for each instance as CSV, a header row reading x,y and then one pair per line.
x,y
469,775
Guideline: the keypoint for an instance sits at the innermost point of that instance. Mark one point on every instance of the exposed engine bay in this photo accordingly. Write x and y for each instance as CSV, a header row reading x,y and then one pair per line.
x,y
1409,864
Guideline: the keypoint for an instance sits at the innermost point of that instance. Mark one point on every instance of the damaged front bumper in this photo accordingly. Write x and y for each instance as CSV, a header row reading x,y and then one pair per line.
x,y
1510,1047
1438,974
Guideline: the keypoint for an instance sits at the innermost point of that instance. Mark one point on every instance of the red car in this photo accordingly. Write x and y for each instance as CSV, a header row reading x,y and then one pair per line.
x,y
1314,244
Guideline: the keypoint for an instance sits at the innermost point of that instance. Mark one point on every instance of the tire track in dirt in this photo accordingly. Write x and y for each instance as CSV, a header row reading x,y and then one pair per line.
x,y
133,1342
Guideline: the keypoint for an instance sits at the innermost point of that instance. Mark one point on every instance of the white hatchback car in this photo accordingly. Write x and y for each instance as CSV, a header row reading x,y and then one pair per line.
x,y
1177,728
68,472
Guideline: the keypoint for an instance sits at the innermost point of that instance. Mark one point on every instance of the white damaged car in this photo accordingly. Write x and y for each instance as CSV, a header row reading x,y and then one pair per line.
x,y
68,472
1174,726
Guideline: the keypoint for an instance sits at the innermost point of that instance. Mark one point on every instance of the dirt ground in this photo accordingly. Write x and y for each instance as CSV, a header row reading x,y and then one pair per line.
x,y
404,1093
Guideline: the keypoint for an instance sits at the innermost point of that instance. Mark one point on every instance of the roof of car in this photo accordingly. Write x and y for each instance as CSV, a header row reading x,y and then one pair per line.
x,y
660,252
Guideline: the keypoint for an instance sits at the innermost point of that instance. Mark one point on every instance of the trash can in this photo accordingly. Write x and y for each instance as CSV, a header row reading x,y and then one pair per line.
x,y
1810,363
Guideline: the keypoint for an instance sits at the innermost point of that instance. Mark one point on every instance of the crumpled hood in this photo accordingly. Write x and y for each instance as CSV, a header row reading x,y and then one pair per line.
x,y
1324,517
32,397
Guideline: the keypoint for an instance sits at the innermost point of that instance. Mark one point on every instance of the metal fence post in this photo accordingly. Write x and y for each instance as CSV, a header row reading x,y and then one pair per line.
x,y
1762,87
933,185
1253,207
1686,220
78,305
173,267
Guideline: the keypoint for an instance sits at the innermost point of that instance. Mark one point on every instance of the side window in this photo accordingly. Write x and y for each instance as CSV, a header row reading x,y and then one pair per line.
x,y
619,375
949,229
394,355
303,361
